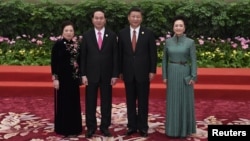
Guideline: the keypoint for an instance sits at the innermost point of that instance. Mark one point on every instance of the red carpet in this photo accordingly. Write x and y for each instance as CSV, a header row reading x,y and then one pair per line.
x,y
31,119
26,105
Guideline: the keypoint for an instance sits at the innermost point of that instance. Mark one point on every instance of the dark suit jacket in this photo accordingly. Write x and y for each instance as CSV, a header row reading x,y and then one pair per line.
x,y
99,64
141,62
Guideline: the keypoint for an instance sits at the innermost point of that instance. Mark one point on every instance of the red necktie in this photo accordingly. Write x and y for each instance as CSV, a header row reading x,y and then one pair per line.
x,y
134,40
99,40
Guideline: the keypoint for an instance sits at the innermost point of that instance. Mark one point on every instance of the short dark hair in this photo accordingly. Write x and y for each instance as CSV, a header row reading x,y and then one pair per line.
x,y
66,23
180,17
97,10
135,9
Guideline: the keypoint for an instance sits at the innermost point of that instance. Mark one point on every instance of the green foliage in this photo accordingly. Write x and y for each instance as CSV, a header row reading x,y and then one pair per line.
x,y
14,18
154,15
48,15
216,52
205,17
239,18
21,22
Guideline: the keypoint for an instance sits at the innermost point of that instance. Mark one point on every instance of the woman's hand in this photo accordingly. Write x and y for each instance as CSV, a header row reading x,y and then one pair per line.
x,y
151,76
84,80
56,84
113,81
191,82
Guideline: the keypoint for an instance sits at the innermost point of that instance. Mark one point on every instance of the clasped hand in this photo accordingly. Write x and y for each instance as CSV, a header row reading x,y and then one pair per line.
x,y
191,82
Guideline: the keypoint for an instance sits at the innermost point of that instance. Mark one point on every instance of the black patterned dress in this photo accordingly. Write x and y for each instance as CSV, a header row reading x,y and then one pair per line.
x,y
64,66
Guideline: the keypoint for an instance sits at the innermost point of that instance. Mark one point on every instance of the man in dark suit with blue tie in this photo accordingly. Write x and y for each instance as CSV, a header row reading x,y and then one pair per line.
x,y
99,70
138,61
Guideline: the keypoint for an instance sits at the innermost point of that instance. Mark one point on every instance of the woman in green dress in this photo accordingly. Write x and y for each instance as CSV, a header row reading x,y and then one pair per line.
x,y
179,72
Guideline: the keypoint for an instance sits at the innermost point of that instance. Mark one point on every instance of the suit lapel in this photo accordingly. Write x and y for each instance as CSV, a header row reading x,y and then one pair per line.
x,y
105,38
128,38
140,38
94,38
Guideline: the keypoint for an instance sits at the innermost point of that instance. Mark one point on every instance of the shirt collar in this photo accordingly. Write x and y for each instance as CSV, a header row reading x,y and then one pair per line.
x,y
102,31
136,29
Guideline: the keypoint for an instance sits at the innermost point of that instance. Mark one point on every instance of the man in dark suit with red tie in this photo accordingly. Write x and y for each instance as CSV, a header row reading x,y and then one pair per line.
x,y
99,70
138,60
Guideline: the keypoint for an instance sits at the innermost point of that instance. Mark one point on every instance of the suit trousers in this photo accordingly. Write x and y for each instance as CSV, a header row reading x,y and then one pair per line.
x,y
137,96
91,104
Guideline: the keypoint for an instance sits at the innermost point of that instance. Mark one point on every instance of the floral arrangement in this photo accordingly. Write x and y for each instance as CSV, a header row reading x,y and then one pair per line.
x,y
211,52
216,52
25,50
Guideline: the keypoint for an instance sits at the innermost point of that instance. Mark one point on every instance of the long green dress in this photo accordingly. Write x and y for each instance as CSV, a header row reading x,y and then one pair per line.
x,y
178,67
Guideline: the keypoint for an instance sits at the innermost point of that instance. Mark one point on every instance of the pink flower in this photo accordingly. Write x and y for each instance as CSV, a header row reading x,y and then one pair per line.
x,y
18,37
245,46
234,45
6,39
53,38
201,42
59,37
11,42
40,35
168,36
162,39
33,40
158,43
39,42
80,37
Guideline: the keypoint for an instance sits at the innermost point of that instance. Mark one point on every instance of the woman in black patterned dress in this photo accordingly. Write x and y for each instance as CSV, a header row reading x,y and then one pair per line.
x,y
65,76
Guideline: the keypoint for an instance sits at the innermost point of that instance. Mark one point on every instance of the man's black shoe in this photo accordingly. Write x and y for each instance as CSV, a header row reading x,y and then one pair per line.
x,y
106,133
143,133
130,132
89,133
